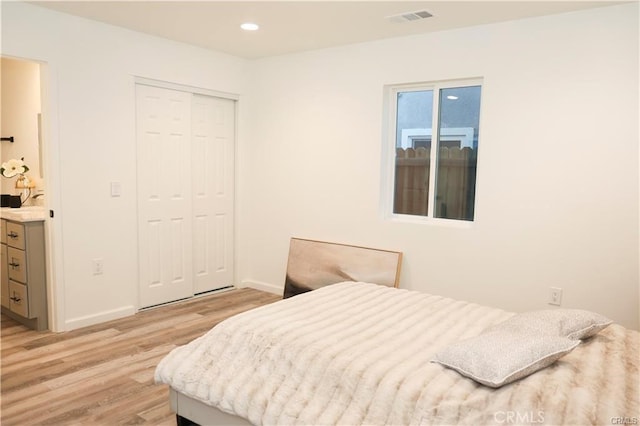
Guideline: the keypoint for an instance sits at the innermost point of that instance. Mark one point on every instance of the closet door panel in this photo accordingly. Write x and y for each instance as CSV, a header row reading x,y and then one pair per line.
x,y
213,195
163,127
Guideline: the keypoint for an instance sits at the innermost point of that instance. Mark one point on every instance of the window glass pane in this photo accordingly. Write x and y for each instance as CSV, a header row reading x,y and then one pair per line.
x,y
457,152
413,142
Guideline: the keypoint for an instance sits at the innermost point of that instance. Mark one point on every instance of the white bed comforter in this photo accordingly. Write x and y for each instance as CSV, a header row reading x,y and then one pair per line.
x,y
357,353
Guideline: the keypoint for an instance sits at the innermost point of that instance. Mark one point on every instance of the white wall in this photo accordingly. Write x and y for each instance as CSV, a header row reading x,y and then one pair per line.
x,y
310,136
91,142
20,109
557,196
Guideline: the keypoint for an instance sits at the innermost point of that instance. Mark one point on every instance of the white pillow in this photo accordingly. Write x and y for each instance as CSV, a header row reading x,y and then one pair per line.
x,y
572,323
498,357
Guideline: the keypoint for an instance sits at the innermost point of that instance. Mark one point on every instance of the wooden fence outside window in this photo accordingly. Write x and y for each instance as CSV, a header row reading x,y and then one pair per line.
x,y
455,180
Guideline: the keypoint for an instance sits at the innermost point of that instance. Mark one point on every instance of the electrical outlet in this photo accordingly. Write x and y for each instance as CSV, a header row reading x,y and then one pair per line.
x,y
98,266
555,296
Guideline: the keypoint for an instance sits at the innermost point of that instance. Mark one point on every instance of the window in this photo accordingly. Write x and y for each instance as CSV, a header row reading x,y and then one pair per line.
x,y
435,130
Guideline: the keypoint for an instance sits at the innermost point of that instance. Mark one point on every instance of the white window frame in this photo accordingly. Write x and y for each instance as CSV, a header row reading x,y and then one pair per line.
x,y
389,149
462,134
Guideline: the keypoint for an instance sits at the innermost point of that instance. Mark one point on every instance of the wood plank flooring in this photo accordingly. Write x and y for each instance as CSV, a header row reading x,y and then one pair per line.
x,y
103,374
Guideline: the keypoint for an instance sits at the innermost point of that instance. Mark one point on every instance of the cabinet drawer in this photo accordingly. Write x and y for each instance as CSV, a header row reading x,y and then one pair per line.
x,y
19,299
4,289
3,231
15,235
17,265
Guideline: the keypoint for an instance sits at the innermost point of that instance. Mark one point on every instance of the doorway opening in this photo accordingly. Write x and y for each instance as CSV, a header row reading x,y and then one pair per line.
x,y
25,123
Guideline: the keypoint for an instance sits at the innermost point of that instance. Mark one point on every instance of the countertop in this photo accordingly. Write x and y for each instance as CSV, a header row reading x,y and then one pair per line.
x,y
23,214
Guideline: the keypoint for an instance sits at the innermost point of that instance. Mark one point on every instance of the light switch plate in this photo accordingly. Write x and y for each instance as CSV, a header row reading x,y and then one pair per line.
x,y
116,189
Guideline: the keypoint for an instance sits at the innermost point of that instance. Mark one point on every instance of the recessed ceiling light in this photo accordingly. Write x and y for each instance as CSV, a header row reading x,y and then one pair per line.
x,y
249,26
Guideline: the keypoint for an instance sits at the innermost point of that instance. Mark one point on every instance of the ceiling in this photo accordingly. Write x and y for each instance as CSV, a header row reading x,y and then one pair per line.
x,y
294,26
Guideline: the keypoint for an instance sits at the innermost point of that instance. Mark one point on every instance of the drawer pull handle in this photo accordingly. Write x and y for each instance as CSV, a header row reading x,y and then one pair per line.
x,y
15,299
14,265
12,235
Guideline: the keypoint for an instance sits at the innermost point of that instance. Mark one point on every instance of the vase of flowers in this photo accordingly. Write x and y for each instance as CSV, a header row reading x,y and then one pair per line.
x,y
15,167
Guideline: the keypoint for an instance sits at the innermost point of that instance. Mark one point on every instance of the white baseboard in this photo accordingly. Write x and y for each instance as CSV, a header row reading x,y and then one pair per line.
x,y
98,318
258,285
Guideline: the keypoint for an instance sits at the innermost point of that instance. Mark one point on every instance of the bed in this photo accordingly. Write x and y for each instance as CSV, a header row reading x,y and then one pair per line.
x,y
359,353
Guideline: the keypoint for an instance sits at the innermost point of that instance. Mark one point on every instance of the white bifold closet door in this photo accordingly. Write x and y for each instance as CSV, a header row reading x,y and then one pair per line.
x,y
185,146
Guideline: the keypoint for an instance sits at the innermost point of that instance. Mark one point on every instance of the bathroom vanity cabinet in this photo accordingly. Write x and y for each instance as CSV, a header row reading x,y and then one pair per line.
x,y
24,289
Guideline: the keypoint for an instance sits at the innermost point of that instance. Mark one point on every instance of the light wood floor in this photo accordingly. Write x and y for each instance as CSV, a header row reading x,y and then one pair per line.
x,y
103,374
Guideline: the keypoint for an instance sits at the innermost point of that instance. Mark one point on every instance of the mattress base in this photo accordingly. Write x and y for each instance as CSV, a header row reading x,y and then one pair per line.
x,y
201,413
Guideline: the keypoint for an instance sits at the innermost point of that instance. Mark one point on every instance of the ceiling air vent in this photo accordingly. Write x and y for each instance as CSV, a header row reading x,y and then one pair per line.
x,y
410,16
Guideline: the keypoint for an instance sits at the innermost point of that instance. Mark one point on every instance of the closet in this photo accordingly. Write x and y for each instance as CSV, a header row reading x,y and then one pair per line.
x,y
185,158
